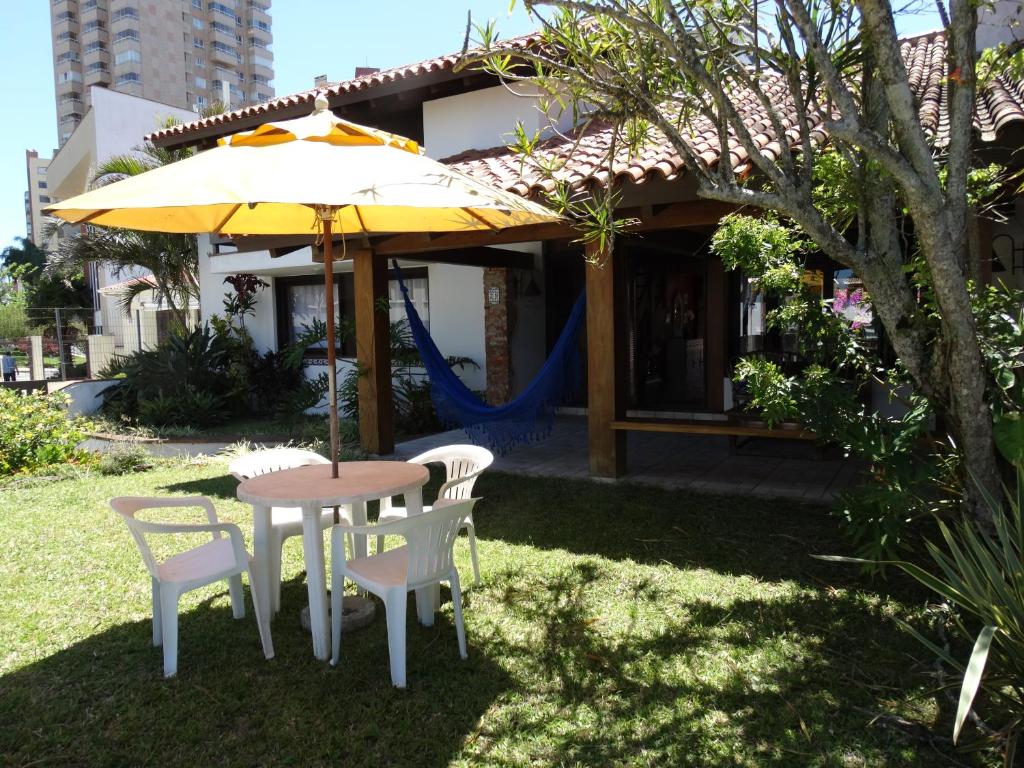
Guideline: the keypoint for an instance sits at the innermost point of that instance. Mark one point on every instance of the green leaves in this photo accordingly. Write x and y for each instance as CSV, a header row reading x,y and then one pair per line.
x,y
1009,434
36,431
761,248
978,572
771,390
972,679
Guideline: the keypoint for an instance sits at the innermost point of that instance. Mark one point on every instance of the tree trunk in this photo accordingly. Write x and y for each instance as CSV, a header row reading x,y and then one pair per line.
x,y
968,382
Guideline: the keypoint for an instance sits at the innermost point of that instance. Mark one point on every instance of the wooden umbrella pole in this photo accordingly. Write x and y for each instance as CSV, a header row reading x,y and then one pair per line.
x,y
332,373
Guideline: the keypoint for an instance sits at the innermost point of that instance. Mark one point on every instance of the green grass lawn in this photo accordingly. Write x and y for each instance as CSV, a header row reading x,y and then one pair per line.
x,y
615,625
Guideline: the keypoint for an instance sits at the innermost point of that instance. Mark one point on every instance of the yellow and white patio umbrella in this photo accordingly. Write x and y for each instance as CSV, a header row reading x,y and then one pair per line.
x,y
317,174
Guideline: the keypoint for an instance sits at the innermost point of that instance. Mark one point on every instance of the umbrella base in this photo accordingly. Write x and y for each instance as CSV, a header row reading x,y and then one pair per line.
x,y
356,613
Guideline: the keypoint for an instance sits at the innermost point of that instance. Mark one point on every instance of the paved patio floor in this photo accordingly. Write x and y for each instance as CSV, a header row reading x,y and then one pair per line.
x,y
761,467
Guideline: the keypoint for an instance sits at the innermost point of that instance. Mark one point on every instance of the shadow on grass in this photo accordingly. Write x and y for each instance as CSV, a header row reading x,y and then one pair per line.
x,y
220,487
103,701
782,682
591,660
766,538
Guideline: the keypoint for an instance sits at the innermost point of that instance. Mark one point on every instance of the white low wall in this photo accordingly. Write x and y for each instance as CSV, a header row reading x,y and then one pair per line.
x,y
86,396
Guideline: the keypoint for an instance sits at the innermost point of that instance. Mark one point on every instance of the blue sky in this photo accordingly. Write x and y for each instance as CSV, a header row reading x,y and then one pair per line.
x,y
311,37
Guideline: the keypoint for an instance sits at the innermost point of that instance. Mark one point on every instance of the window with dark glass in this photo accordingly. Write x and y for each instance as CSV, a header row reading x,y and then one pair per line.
x,y
301,302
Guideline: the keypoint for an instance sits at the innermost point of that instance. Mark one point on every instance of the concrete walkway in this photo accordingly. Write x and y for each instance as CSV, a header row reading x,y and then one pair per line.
x,y
763,467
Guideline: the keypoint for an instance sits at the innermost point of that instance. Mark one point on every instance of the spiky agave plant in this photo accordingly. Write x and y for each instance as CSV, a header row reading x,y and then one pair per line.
x,y
979,575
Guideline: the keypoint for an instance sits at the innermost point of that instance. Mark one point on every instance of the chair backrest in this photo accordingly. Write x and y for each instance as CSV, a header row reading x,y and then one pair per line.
x,y
128,506
272,460
430,538
462,464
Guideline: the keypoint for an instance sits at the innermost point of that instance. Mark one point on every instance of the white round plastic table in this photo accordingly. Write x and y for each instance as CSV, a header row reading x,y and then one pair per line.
x,y
312,488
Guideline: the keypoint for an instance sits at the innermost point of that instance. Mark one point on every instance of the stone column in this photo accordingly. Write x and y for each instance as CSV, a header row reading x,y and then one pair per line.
x,y
35,358
497,297
99,350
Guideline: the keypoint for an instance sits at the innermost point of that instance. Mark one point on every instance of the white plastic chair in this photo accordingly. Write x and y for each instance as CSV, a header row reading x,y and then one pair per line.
x,y
463,464
220,558
285,522
426,559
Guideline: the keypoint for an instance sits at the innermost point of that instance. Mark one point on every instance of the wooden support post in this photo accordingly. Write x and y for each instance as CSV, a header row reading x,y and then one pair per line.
x,y
606,384
373,352
715,338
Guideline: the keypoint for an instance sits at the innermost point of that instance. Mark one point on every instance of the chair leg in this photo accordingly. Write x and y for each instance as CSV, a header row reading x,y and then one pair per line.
x,y
380,544
276,556
471,530
460,628
237,596
395,609
157,611
337,609
262,622
169,628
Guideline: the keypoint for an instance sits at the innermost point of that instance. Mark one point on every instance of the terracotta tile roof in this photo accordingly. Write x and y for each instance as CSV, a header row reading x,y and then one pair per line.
x,y
364,83
115,288
999,104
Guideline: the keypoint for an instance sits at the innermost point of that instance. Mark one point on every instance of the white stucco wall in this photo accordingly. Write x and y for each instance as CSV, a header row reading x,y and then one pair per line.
x,y
123,121
528,338
456,302
480,119
457,317
85,397
115,124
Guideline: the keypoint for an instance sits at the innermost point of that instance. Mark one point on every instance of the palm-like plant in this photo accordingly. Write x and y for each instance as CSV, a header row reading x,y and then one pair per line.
x,y
24,253
173,259
978,572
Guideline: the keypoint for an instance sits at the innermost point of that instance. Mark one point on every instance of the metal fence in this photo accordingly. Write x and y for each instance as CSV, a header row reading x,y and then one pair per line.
x,y
65,343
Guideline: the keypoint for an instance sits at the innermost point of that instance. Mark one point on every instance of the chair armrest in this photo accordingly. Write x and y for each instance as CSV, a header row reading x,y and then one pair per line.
x,y
136,503
232,530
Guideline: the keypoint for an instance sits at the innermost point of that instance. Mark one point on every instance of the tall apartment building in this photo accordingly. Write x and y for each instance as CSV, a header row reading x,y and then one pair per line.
x,y
187,53
37,195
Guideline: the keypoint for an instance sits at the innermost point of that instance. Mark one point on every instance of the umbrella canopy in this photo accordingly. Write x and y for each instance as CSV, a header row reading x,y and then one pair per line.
x,y
317,174
264,182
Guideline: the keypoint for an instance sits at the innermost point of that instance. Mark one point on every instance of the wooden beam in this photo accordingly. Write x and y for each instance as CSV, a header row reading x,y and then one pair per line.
x,y
695,213
478,257
713,427
715,335
605,362
373,353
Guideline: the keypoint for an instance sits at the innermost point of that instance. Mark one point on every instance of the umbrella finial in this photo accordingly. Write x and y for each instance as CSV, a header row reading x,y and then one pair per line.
x,y
320,103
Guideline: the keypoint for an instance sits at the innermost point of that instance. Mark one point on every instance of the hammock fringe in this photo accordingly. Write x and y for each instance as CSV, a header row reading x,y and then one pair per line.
x,y
527,418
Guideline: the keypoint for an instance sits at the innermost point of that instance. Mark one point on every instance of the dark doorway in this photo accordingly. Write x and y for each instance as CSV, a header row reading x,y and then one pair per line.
x,y
667,316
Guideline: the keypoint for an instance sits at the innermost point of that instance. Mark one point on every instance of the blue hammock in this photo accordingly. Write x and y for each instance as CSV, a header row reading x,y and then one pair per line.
x,y
525,419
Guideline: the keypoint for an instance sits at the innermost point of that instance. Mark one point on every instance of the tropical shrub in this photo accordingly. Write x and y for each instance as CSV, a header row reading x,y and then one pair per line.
x,y
124,459
916,468
183,381
14,323
35,431
413,408
270,381
977,571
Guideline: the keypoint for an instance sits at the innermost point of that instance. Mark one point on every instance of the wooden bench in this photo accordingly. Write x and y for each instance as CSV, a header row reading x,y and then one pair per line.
x,y
732,427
